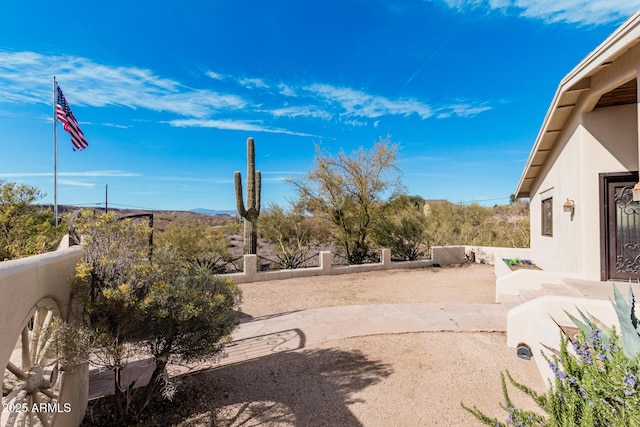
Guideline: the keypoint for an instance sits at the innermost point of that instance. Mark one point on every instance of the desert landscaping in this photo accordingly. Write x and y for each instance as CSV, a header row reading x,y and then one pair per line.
x,y
410,379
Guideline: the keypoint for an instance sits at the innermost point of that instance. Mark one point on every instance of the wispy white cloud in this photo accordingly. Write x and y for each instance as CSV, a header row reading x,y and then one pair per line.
x,y
358,103
25,77
233,125
73,183
462,110
214,75
582,12
115,125
301,111
253,83
96,173
356,123
286,90
247,82
325,101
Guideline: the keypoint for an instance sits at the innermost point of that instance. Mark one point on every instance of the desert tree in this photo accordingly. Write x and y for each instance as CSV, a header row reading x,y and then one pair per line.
x,y
349,191
25,229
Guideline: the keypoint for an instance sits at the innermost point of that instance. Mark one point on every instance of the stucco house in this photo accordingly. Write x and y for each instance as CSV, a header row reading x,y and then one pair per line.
x,y
584,164
580,178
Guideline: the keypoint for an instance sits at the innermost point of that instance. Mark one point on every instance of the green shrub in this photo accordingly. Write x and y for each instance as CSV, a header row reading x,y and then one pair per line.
x,y
293,235
158,306
198,243
25,229
402,228
457,224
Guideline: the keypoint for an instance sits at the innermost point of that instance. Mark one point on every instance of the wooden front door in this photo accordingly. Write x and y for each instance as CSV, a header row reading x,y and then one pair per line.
x,y
621,227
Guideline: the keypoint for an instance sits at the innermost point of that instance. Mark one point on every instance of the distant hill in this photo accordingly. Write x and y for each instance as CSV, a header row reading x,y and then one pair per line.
x,y
62,209
213,212
161,218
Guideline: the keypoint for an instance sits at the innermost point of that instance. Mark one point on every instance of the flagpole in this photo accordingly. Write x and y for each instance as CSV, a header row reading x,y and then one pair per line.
x,y
55,156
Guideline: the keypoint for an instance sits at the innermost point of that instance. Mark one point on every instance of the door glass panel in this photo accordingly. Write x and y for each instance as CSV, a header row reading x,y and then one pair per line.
x,y
627,244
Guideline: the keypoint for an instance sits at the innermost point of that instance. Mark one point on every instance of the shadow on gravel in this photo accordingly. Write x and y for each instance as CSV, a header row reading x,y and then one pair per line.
x,y
244,317
304,388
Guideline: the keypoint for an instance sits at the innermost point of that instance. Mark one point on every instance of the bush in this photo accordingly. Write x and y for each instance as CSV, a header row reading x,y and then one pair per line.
x,y
25,229
402,228
456,224
292,233
158,306
197,243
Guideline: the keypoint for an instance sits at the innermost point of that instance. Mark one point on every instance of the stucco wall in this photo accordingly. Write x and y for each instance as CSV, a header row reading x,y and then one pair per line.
x,y
604,140
43,280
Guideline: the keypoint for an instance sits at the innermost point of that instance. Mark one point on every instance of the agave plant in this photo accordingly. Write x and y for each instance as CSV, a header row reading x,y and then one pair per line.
x,y
629,330
594,329
595,384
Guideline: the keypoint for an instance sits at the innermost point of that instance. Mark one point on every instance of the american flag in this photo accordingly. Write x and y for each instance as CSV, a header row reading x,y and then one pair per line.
x,y
64,114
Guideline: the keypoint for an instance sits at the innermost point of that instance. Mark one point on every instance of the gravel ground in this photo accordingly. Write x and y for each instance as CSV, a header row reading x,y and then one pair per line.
x,y
472,283
416,379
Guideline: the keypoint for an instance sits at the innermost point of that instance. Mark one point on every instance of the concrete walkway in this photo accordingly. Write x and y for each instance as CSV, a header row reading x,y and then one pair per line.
x,y
258,337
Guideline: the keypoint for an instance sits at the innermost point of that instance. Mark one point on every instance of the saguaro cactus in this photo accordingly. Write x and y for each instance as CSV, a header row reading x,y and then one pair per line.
x,y
252,211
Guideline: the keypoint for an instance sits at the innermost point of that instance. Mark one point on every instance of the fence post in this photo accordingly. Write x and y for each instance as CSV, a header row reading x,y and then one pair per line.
x,y
326,258
385,258
250,268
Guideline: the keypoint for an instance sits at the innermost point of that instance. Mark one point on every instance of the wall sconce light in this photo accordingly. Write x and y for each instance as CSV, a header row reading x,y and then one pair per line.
x,y
636,192
570,206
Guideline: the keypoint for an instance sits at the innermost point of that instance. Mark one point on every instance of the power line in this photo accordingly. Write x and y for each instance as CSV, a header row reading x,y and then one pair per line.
x,y
484,200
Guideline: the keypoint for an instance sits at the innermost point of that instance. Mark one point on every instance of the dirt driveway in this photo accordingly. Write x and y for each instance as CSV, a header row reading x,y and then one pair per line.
x,y
413,379
474,283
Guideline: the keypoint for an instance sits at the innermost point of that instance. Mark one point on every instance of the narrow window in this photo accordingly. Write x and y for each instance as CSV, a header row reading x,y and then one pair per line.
x,y
547,217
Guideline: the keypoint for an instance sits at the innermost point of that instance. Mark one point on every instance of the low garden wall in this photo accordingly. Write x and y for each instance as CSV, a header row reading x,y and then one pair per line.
x,y
488,254
440,255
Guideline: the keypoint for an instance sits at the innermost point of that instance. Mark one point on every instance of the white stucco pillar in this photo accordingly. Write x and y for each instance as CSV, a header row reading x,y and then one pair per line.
x,y
250,266
385,258
326,258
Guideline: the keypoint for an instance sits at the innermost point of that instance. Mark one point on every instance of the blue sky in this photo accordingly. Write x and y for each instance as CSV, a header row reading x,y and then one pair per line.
x,y
168,92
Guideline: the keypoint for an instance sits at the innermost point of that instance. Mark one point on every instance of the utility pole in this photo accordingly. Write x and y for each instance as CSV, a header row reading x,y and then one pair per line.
x,y
106,198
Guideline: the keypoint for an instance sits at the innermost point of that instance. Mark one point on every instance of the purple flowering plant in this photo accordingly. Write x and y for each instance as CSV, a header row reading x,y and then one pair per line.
x,y
595,380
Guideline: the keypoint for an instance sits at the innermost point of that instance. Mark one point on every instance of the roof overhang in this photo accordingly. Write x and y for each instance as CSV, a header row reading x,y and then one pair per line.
x,y
567,95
